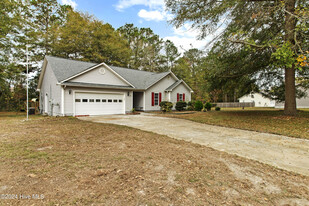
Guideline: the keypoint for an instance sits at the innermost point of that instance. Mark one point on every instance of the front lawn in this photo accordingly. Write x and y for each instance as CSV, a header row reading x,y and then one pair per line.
x,y
66,161
256,119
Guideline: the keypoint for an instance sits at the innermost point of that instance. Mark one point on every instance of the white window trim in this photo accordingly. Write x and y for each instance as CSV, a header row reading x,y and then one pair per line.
x,y
180,97
154,99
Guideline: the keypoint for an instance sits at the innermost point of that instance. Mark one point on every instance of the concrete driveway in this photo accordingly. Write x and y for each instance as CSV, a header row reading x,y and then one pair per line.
x,y
283,152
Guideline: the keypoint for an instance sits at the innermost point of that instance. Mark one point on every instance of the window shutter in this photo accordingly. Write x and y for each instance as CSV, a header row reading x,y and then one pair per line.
x,y
183,97
160,98
152,98
177,97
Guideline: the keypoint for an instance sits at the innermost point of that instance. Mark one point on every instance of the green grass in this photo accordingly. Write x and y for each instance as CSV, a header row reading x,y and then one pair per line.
x,y
256,119
13,114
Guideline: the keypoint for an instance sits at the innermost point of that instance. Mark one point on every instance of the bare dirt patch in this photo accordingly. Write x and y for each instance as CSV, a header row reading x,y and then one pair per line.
x,y
85,163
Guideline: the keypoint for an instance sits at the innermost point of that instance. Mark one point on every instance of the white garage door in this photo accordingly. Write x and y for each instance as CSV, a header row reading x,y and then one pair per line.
x,y
98,104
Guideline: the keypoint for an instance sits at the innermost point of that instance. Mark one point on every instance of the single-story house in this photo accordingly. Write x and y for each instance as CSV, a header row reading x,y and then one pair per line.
x,y
258,99
261,101
71,88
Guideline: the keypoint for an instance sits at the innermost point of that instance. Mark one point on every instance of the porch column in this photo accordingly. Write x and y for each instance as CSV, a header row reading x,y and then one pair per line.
x,y
144,106
62,100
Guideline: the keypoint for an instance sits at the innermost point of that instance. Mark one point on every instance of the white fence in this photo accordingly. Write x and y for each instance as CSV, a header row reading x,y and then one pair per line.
x,y
235,104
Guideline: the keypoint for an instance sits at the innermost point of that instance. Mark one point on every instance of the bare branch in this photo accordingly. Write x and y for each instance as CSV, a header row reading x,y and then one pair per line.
x,y
247,43
294,15
296,42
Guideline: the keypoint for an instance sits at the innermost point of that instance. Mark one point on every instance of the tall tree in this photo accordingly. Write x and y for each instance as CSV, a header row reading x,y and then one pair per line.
x,y
234,72
271,25
190,68
10,71
171,54
22,27
46,15
86,38
146,47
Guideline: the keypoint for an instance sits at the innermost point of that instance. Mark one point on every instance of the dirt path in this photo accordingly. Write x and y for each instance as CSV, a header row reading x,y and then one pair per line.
x,y
283,152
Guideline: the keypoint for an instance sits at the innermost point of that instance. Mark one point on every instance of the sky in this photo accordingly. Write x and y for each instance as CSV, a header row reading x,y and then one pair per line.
x,y
142,13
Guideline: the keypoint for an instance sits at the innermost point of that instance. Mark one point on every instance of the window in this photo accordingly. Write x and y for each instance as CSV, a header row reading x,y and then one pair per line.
x,y
115,100
110,100
156,99
98,100
180,97
77,100
252,96
91,100
103,100
85,100
120,100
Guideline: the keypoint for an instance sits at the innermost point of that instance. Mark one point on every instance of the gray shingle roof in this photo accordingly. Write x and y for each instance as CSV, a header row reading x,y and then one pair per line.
x,y
66,68
140,79
173,86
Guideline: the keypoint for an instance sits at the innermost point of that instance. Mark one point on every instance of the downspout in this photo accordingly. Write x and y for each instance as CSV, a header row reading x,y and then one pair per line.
x,y
52,107
51,101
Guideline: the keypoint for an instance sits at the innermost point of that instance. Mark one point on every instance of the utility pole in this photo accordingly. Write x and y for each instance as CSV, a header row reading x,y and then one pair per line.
x,y
27,84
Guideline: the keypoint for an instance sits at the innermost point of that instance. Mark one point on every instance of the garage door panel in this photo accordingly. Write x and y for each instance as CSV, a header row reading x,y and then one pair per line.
x,y
99,103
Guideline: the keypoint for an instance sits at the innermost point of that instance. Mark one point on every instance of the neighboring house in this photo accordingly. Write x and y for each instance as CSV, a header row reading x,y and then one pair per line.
x,y
300,103
258,99
70,87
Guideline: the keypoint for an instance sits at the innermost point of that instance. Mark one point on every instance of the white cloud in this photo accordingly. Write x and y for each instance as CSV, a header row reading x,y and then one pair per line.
x,y
152,4
185,38
186,31
156,10
72,3
151,15
185,43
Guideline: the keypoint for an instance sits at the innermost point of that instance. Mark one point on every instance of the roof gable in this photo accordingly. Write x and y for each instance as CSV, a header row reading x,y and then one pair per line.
x,y
176,84
100,74
140,79
66,68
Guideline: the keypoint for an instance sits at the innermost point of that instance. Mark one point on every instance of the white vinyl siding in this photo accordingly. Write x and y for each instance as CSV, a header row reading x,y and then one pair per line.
x,y
158,87
258,99
50,94
95,77
181,89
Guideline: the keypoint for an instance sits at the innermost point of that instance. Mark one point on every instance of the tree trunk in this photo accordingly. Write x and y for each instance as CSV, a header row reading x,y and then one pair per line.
x,y
290,96
225,98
